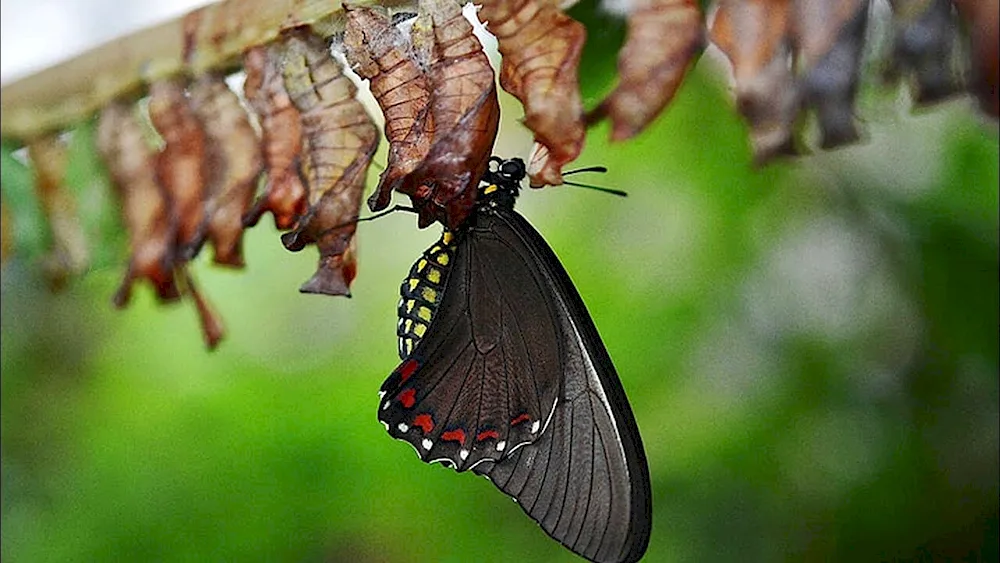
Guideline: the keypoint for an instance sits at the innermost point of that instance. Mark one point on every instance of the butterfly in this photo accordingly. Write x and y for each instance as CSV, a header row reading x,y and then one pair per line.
x,y
503,373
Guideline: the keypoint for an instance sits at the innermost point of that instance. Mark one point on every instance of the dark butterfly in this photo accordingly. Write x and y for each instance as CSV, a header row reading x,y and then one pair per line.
x,y
504,373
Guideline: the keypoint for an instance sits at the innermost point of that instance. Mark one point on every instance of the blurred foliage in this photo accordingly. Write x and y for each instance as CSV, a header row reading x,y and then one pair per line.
x,y
96,204
811,350
605,35
30,230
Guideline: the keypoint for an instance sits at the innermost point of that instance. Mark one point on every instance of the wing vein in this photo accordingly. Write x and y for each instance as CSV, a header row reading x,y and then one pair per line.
x,y
568,452
519,332
458,395
451,365
611,491
590,488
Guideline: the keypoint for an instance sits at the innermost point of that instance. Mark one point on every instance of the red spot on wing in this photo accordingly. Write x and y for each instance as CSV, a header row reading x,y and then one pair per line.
x,y
486,434
457,435
522,418
407,369
408,397
425,422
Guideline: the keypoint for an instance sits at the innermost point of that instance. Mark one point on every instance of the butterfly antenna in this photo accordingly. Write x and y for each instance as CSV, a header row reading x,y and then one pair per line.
x,y
611,191
598,169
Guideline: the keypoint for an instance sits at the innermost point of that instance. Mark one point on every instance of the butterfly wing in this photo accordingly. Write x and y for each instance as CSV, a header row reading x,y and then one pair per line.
x,y
512,380
484,378
585,480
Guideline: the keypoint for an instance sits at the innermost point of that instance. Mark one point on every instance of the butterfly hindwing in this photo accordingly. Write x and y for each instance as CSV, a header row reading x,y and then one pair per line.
x,y
585,480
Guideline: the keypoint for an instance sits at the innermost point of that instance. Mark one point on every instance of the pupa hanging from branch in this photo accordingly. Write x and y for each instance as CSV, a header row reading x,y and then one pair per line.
x,y
378,51
340,139
449,133
145,205
181,166
831,69
182,171
285,194
69,255
541,48
752,35
664,36
235,163
465,111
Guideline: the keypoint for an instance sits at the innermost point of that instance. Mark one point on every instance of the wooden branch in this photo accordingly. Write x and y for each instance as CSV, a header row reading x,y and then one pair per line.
x,y
213,37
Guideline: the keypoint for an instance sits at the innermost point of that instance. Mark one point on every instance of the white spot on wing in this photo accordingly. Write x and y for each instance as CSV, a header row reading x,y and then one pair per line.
x,y
464,454
534,426
385,405
386,424
427,444
501,445
381,394
403,427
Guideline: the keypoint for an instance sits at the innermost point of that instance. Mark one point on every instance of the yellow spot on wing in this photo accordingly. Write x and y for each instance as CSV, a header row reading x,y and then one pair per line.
x,y
424,313
413,282
442,259
434,275
490,189
421,265
430,295
447,237
419,330
409,305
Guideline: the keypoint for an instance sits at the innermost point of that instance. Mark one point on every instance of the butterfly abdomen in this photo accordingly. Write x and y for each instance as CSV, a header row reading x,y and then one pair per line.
x,y
420,293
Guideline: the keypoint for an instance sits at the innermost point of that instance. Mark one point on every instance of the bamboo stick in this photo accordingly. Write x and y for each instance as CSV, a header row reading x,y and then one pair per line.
x,y
209,38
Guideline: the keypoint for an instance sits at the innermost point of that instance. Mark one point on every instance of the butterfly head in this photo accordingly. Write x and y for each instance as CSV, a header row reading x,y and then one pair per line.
x,y
502,181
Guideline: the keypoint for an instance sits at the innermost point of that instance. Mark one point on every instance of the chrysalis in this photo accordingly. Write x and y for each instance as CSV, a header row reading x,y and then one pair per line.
x,y
234,161
285,194
340,141
145,203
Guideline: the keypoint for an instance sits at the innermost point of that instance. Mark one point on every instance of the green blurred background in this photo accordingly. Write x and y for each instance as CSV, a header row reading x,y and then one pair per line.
x,y
810,349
